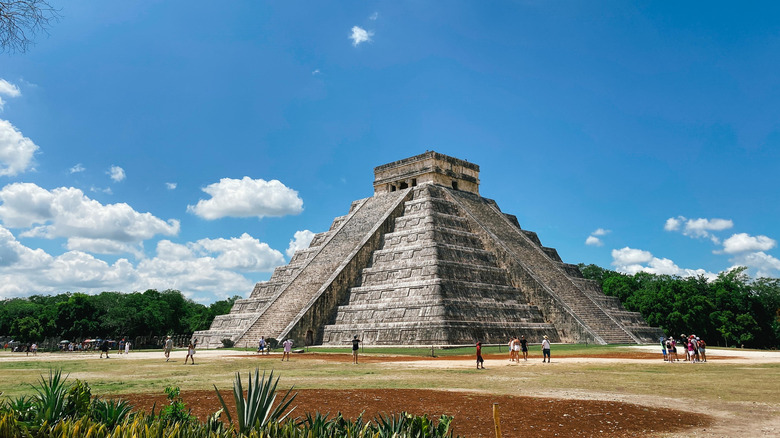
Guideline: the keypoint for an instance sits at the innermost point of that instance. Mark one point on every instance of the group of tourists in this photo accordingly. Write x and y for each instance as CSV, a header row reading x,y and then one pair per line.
x,y
23,348
694,348
516,347
168,347
263,347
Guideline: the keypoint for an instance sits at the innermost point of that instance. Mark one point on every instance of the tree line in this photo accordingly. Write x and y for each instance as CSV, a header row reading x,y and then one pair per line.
x,y
731,310
77,316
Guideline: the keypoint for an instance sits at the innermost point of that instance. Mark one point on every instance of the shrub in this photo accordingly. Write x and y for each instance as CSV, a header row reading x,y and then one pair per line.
x,y
176,411
228,343
78,400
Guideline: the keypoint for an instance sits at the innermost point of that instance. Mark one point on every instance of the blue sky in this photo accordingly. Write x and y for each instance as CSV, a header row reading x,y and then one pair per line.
x,y
194,146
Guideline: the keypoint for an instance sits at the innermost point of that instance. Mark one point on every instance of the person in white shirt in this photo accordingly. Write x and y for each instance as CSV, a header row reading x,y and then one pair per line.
x,y
546,349
287,348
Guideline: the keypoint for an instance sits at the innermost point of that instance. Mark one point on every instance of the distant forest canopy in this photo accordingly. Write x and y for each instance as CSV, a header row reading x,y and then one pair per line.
x,y
77,316
732,310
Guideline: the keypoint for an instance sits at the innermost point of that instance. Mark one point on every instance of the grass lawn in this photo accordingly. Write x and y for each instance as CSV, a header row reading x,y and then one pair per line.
x,y
714,381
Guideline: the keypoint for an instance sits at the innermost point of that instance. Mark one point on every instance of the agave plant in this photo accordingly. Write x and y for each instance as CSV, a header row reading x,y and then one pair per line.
x,y
110,412
390,426
349,428
22,408
50,398
256,410
318,425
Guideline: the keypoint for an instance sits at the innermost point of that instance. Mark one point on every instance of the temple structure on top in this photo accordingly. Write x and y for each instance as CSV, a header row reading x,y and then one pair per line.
x,y
424,261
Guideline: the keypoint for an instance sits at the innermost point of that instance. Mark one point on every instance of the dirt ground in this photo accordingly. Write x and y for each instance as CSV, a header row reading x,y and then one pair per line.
x,y
473,412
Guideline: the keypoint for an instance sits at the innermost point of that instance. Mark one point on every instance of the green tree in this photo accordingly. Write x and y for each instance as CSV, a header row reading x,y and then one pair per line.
x,y
27,330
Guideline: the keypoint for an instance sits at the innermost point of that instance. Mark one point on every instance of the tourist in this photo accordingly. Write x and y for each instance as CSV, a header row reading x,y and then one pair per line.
x,y
695,348
512,349
702,348
104,348
663,347
683,345
691,354
261,345
480,361
127,347
523,348
34,349
546,350
121,345
190,353
355,345
168,346
287,349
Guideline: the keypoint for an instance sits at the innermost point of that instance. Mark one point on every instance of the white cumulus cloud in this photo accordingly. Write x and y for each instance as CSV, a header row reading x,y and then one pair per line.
x,y
360,35
247,197
300,240
243,253
116,173
630,256
8,89
743,242
16,150
593,241
698,228
170,185
762,263
206,270
67,212
631,260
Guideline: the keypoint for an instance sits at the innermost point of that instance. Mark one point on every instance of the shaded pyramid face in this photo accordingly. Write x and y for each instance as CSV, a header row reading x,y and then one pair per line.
x,y
433,282
424,261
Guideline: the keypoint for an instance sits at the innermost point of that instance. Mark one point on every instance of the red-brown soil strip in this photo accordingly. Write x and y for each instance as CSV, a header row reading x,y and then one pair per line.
x,y
519,415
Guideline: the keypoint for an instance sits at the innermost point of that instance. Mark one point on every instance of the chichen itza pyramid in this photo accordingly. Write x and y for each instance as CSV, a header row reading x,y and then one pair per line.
x,y
427,261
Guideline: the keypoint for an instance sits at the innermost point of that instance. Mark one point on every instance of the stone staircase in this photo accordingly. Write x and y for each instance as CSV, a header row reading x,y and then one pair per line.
x,y
275,305
432,282
556,284
346,233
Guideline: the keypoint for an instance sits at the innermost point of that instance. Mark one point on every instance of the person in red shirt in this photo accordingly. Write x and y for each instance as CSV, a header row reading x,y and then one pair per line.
x,y
480,361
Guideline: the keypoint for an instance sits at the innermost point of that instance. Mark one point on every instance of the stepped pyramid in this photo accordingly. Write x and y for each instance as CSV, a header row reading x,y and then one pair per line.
x,y
425,261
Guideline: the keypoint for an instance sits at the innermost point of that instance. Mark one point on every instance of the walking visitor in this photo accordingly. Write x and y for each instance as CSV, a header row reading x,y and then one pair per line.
x,y
190,353
168,347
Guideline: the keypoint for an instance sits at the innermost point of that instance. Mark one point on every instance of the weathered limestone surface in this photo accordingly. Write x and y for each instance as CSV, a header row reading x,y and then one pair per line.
x,y
426,261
